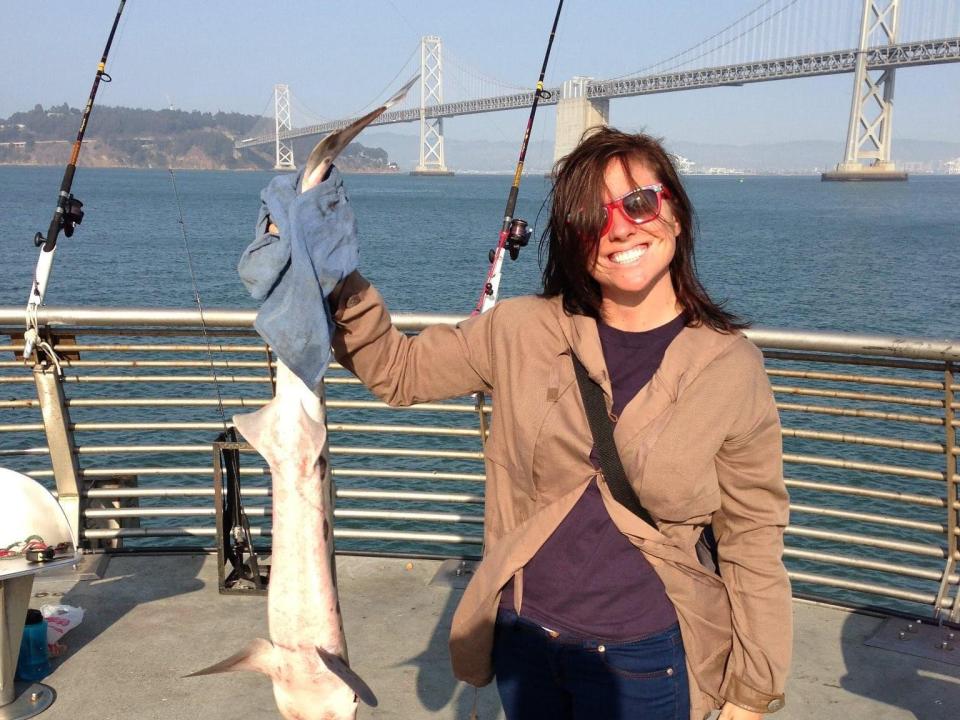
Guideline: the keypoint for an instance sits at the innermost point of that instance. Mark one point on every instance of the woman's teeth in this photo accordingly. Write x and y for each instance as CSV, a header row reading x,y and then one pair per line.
x,y
628,256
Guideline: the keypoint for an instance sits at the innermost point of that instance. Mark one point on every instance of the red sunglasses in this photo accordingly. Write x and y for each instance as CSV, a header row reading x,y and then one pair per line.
x,y
639,206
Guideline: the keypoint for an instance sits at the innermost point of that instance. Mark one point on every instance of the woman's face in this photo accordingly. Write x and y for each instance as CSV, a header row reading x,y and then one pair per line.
x,y
633,261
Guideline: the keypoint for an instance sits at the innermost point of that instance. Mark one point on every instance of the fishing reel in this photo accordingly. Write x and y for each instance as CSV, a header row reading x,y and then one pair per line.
x,y
70,217
518,236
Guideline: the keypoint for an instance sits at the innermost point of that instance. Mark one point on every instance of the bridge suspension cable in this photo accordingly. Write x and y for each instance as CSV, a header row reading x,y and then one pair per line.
x,y
473,82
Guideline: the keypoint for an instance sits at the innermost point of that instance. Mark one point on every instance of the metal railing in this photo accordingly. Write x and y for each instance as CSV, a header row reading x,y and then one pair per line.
x,y
124,433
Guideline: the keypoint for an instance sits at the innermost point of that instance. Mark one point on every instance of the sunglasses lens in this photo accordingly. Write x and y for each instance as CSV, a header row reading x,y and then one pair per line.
x,y
641,205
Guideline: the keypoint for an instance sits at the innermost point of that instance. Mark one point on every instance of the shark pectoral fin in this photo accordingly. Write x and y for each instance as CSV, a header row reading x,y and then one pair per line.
x,y
258,656
338,667
255,427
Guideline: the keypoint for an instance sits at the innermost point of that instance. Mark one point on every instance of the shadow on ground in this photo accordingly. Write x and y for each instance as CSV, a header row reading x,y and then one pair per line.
x,y
928,689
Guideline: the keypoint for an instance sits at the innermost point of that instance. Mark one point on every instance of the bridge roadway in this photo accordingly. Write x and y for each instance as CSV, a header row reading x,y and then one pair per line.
x,y
911,54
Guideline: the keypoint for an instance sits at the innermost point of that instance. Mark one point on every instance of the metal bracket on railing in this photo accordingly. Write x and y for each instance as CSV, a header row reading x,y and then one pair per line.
x,y
952,477
58,429
247,574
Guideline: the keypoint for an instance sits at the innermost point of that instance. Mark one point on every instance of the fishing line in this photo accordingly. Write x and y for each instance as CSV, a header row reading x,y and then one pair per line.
x,y
196,294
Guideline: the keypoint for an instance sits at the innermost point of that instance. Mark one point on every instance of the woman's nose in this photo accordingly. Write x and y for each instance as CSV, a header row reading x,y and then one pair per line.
x,y
621,226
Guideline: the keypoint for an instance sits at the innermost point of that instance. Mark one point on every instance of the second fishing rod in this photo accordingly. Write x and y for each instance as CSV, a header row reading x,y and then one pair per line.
x,y
514,233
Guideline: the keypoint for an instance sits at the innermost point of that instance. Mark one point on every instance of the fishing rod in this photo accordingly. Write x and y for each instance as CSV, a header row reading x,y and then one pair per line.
x,y
69,211
514,233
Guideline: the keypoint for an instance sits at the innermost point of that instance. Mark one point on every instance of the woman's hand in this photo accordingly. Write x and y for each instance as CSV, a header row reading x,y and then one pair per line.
x,y
729,711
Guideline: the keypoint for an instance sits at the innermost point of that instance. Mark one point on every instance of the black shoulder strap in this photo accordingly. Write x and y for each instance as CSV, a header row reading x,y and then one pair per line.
x,y
603,441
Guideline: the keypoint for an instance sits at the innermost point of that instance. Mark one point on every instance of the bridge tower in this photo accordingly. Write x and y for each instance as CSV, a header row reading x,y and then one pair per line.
x,y
869,135
281,107
431,89
576,113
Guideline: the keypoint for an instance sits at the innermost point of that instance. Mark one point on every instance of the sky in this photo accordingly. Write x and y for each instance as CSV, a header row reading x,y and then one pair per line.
x,y
340,57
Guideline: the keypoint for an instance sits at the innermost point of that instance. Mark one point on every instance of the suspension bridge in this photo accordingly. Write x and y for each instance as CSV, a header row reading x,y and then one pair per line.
x,y
776,40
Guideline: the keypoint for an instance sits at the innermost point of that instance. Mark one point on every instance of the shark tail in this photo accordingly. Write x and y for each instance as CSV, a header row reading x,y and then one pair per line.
x,y
336,665
263,657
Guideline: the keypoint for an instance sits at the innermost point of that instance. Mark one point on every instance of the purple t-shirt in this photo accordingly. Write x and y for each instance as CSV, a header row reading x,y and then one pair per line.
x,y
587,578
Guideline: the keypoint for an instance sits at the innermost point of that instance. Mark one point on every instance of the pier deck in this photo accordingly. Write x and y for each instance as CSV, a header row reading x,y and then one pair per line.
x,y
152,619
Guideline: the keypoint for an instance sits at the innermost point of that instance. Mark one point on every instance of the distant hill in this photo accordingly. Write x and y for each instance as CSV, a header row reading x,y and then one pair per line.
x,y
129,137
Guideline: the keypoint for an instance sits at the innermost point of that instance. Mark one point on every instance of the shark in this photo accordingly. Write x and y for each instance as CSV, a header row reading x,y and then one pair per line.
x,y
306,655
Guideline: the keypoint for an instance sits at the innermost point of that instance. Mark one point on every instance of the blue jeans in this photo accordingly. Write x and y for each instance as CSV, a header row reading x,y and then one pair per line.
x,y
542,674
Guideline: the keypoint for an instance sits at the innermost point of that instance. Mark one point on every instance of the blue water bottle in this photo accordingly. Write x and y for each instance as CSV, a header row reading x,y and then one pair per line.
x,y
33,664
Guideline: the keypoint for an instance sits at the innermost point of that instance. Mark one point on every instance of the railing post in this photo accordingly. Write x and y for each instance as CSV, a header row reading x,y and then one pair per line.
x,y
63,451
953,496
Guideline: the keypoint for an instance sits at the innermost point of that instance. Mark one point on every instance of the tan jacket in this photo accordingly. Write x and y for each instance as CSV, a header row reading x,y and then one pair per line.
x,y
700,443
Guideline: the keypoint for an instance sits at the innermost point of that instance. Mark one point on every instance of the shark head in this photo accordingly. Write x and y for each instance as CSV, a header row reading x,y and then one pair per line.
x,y
325,151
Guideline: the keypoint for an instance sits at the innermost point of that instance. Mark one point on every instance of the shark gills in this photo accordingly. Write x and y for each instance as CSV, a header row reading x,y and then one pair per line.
x,y
306,656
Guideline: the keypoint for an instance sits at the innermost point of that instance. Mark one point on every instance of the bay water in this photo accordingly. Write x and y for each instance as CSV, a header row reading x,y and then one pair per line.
x,y
783,251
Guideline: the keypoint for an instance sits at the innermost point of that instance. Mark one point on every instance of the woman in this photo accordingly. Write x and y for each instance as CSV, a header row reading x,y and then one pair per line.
x,y
580,609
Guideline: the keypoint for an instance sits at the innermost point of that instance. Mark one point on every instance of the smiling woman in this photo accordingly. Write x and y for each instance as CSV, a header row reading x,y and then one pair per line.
x,y
589,604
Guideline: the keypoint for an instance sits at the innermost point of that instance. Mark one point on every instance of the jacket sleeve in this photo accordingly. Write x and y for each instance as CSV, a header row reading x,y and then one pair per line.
x,y
440,362
754,510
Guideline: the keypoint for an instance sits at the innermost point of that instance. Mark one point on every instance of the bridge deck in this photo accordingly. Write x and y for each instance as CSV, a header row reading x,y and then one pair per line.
x,y
152,619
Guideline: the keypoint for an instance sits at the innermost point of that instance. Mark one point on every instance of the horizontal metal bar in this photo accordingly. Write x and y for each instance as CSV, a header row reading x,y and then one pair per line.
x,y
206,471
410,515
855,344
833,359
910,445
871,588
860,413
409,536
440,538
332,427
214,347
266,511
408,474
81,318
251,403
25,451
99,379
404,429
413,496
938,528
67,363
334,450
71,318
151,471
861,397
205,492
865,466
865,564
859,379
868,540
937,502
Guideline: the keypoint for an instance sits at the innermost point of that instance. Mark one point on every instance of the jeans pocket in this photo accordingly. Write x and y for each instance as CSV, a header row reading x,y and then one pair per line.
x,y
656,657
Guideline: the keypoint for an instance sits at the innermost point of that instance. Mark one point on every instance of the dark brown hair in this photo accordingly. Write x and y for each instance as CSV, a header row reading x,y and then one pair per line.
x,y
571,240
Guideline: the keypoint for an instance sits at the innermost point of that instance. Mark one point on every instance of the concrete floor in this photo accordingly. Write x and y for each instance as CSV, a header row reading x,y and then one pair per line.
x,y
151,620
